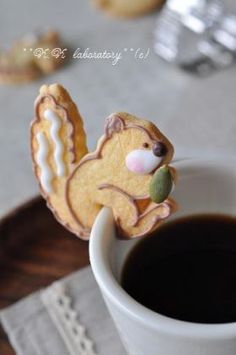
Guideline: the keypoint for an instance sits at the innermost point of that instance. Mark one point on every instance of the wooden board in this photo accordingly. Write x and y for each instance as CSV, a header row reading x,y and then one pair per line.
x,y
35,250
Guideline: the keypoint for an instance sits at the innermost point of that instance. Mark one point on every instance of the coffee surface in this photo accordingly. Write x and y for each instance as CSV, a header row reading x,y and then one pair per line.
x,y
186,270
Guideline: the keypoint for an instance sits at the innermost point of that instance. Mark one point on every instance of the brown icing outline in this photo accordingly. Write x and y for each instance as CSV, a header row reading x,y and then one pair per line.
x,y
40,99
132,200
36,119
113,124
129,197
89,156
97,155
168,203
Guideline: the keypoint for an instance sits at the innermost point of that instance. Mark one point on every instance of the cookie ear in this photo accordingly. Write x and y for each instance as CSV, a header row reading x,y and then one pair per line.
x,y
113,124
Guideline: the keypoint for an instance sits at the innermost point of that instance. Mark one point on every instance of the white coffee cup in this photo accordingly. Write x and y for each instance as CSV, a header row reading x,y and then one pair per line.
x,y
204,186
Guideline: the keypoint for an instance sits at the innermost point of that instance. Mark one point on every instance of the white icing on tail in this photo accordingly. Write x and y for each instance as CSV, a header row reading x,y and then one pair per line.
x,y
59,148
41,157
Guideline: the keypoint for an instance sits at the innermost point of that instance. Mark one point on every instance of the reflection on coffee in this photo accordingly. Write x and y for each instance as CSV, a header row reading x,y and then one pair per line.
x,y
186,270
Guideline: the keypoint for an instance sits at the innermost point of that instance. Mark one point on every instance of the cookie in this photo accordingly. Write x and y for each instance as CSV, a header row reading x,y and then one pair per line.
x,y
17,67
22,63
58,142
131,8
118,174
49,63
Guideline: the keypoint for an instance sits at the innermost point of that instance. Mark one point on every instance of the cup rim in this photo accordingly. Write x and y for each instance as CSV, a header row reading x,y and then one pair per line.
x,y
101,236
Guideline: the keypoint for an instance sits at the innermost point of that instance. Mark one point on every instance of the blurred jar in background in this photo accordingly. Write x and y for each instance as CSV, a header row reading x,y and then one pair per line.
x,y
198,35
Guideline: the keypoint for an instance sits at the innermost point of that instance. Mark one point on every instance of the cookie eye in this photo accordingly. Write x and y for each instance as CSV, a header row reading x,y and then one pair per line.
x,y
146,145
159,149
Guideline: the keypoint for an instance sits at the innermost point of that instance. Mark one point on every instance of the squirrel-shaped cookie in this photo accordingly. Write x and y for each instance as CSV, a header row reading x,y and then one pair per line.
x,y
77,184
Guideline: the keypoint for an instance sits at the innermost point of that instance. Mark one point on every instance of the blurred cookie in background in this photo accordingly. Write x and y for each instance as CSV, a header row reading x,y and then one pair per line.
x,y
128,8
30,57
17,67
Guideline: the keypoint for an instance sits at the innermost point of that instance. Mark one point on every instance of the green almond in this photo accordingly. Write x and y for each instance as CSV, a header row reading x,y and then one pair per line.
x,y
161,184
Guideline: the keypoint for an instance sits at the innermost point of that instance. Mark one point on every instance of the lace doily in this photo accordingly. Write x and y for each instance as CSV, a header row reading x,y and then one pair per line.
x,y
66,320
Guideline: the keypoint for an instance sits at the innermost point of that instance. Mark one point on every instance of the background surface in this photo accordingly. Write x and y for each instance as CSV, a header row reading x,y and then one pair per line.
x,y
198,115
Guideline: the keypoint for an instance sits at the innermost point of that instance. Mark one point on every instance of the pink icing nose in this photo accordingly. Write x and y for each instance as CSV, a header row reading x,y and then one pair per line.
x,y
135,165
141,161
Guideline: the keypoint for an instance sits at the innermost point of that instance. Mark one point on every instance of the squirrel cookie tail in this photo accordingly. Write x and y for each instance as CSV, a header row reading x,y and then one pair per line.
x,y
58,142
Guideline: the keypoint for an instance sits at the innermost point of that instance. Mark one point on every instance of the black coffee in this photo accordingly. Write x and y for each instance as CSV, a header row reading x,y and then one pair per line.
x,y
187,270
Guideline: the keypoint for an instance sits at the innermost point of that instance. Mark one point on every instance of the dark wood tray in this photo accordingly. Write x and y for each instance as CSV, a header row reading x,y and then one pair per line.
x,y
35,250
